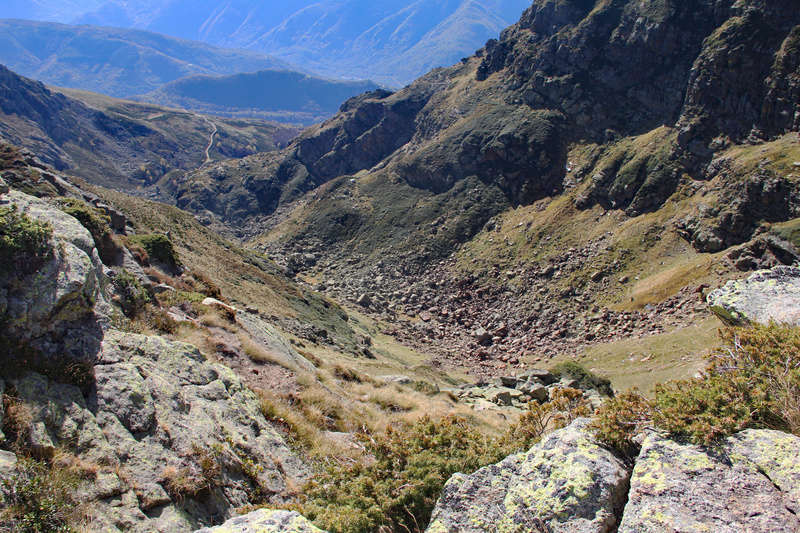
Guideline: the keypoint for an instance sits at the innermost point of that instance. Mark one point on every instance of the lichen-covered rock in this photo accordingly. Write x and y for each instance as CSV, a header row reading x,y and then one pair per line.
x,y
683,488
179,442
57,309
566,483
266,521
776,455
764,296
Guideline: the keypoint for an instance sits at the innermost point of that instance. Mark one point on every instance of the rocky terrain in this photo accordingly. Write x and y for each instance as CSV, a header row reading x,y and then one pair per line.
x,y
416,282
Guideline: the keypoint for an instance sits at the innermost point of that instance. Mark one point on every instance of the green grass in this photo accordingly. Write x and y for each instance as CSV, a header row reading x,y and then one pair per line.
x,y
641,363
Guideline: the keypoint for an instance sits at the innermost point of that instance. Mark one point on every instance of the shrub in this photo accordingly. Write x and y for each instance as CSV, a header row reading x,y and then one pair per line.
x,y
158,247
564,407
586,379
620,419
752,381
24,243
98,224
38,498
132,296
400,487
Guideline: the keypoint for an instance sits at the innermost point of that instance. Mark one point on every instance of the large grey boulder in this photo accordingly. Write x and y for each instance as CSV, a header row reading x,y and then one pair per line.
x,y
59,308
179,442
566,483
266,521
749,484
764,296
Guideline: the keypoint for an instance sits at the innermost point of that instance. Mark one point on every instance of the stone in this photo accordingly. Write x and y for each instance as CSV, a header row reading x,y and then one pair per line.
x,y
540,375
156,405
535,391
266,521
398,379
565,483
364,300
3,186
482,336
213,302
162,288
680,487
8,464
499,395
765,296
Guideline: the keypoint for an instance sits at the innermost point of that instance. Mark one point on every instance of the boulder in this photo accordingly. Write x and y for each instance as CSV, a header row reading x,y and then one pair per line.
x,y
59,308
266,521
749,484
213,302
535,391
566,483
158,410
269,338
764,296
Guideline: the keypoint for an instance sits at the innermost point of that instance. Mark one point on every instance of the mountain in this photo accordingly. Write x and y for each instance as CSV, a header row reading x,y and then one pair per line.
x,y
116,62
390,42
281,95
121,144
549,274
591,143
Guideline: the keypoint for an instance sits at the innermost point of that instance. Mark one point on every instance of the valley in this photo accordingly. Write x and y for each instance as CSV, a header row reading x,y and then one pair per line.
x,y
537,290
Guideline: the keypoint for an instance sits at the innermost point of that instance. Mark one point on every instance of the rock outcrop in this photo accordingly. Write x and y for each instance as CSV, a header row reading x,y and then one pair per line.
x,y
265,521
167,440
60,308
767,295
748,484
566,483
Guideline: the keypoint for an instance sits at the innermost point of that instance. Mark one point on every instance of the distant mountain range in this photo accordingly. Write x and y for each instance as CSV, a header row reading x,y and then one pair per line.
x,y
165,70
116,62
391,42
270,94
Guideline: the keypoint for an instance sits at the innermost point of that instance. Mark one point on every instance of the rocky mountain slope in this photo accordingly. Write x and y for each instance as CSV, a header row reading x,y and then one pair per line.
x,y
588,162
391,42
113,61
118,143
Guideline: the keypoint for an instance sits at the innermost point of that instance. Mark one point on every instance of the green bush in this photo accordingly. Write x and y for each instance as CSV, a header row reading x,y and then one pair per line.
x,y
586,379
24,242
98,224
132,296
37,498
158,247
752,381
399,489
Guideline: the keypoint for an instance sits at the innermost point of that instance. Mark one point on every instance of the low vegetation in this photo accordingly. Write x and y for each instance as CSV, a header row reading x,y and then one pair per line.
x,y
98,224
158,247
752,381
38,498
411,461
24,242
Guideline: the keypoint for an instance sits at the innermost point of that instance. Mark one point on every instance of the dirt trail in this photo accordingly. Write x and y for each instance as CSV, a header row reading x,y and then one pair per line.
x,y
210,140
